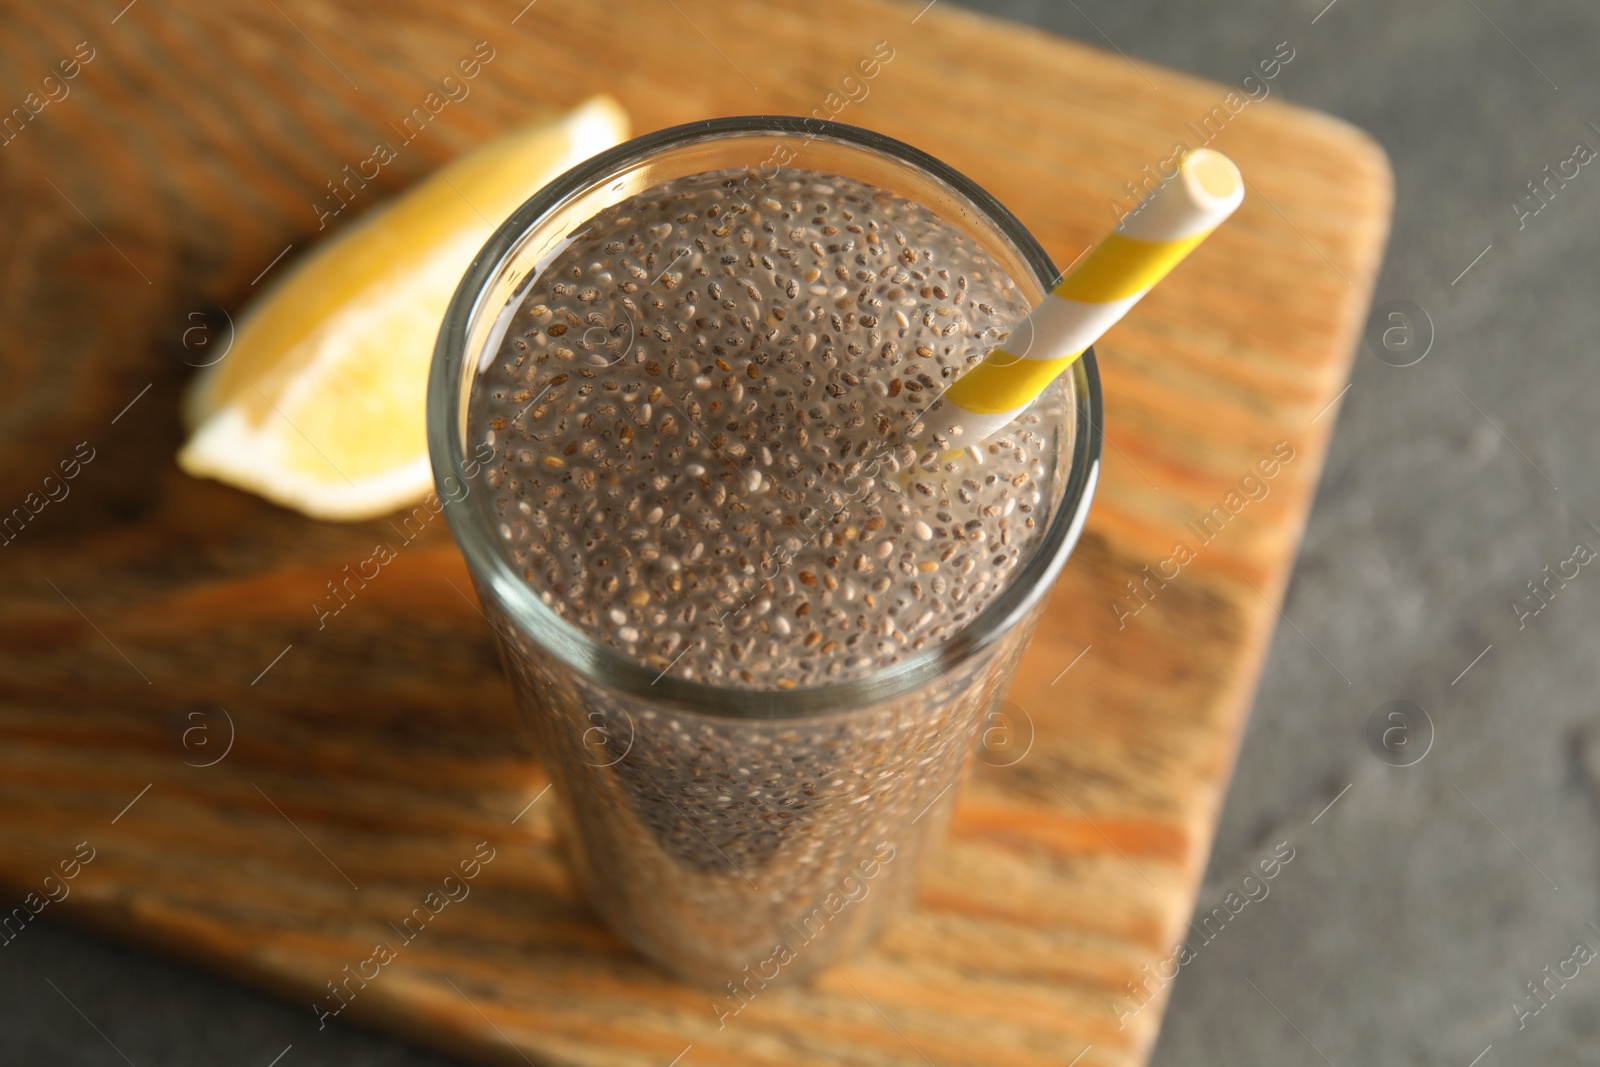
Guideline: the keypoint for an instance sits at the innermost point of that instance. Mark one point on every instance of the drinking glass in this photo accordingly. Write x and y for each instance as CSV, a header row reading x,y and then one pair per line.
x,y
742,836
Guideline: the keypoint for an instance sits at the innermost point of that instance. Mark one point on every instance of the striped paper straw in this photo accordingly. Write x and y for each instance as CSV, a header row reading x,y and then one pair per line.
x,y
1150,242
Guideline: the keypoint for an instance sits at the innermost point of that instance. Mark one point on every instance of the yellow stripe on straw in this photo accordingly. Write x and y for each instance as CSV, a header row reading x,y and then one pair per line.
x,y
1175,218
1124,266
1003,382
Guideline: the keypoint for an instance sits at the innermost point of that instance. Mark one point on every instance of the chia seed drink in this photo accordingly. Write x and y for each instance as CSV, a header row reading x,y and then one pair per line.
x,y
705,417
700,425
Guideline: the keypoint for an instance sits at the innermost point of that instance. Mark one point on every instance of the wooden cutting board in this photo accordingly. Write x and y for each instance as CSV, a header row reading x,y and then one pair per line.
x,y
153,623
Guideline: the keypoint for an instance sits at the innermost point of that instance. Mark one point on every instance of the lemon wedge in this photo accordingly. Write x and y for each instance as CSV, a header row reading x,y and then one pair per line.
x,y
319,403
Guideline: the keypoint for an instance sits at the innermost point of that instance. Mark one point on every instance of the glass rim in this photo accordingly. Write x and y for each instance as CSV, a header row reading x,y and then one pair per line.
x,y
446,431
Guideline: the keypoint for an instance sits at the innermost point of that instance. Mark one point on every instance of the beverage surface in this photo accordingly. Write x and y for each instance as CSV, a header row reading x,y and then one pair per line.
x,y
707,446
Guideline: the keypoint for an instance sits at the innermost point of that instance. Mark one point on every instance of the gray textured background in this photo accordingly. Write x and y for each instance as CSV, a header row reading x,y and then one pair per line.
x,y
1419,904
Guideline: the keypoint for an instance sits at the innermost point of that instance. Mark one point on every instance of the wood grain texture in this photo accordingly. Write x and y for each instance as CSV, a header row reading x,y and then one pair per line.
x,y
376,753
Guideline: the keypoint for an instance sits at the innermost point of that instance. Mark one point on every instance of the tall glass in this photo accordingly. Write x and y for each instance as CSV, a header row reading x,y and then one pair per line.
x,y
737,836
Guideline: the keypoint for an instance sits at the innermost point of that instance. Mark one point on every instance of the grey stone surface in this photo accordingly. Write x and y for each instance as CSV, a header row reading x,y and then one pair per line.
x,y
1419,904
